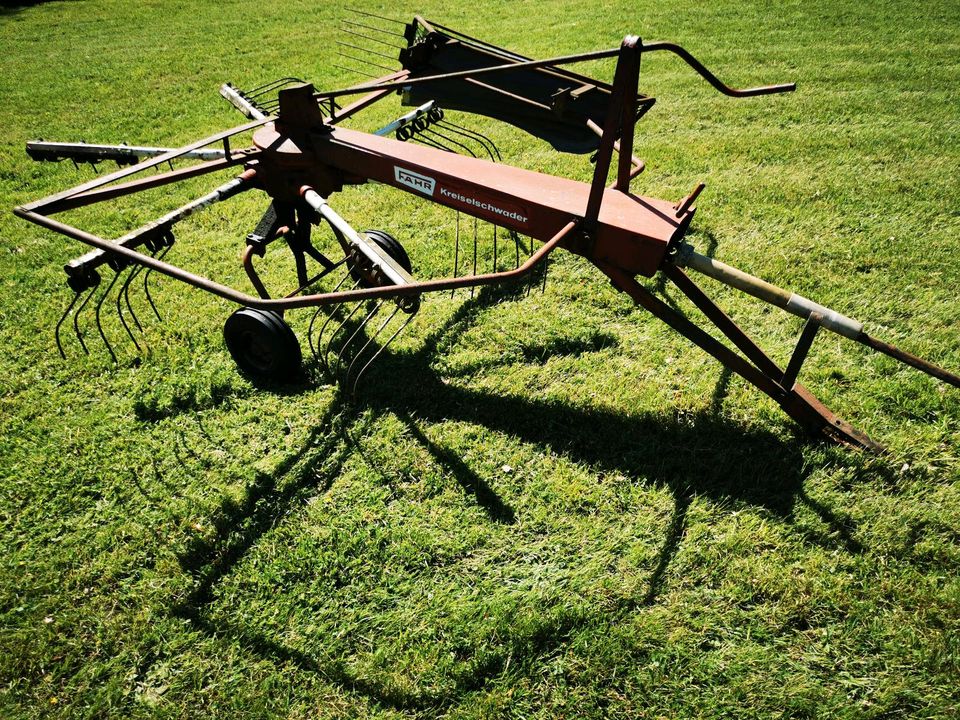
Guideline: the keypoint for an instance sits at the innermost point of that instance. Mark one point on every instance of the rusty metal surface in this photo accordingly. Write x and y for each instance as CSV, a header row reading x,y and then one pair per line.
x,y
333,298
909,359
302,155
41,205
632,230
797,401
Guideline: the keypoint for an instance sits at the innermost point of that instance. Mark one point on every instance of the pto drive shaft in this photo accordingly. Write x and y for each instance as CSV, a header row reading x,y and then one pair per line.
x,y
802,307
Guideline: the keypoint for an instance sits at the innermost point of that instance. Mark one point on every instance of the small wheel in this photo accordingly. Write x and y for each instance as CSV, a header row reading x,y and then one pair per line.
x,y
391,246
262,345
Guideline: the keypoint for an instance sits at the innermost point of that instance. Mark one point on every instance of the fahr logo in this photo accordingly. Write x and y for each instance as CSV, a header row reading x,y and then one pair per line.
x,y
420,183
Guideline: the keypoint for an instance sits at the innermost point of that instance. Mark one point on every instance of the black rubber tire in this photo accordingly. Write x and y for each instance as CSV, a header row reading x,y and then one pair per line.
x,y
391,246
263,345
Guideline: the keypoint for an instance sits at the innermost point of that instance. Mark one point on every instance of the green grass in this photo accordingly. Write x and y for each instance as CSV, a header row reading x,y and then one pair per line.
x,y
549,506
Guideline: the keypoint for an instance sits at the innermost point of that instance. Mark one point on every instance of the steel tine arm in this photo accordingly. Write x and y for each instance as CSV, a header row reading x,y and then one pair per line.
x,y
56,330
381,350
103,334
123,320
76,317
125,290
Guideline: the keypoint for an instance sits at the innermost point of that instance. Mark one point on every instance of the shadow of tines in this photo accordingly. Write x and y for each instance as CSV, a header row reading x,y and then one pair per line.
x,y
699,455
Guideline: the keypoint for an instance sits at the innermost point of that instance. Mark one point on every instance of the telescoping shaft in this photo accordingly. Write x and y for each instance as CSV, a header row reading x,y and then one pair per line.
x,y
804,308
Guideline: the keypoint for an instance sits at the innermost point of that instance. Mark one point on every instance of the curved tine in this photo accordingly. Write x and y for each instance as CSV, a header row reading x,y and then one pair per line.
x,y
456,252
380,351
474,253
516,244
367,37
531,276
313,349
333,336
374,15
120,312
323,357
354,70
375,29
314,319
451,127
482,139
494,248
96,315
432,143
363,49
146,282
451,141
370,340
366,62
125,290
267,87
56,331
360,327
76,319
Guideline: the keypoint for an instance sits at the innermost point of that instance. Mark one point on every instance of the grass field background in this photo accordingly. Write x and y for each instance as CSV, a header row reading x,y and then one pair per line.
x,y
543,506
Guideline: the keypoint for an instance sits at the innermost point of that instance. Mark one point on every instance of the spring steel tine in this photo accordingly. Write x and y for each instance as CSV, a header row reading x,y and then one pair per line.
x,y
494,248
359,329
487,143
76,318
313,350
330,317
516,245
267,87
456,252
56,330
372,39
333,336
373,15
532,275
367,50
96,315
126,294
367,62
146,283
370,340
431,142
450,127
375,29
380,350
474,253
354,70
314,319
450,140
120,311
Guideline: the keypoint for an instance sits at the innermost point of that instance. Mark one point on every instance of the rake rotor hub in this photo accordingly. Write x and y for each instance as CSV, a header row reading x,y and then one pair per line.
x,y
302,154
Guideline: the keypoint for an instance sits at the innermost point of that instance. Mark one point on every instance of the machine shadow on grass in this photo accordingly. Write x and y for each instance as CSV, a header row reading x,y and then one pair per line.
x,y
704,455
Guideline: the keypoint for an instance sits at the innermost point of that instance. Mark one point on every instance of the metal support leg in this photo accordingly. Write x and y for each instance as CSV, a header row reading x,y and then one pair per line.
x,y
800,351
797,402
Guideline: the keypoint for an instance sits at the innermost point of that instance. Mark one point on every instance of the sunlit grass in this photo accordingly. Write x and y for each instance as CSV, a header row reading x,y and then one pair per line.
x,y
538,506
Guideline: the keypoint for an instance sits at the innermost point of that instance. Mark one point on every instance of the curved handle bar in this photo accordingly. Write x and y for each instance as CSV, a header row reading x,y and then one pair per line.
x,y
713,79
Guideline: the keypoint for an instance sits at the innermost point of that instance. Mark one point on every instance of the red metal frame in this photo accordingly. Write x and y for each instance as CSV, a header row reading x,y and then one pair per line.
x,y
623,234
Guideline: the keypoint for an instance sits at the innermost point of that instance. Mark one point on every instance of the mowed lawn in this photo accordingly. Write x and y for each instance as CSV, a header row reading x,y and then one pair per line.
x,y
541,504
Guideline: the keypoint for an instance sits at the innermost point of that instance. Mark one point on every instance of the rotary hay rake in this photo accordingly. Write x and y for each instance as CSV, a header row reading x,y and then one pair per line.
x,y
301,154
